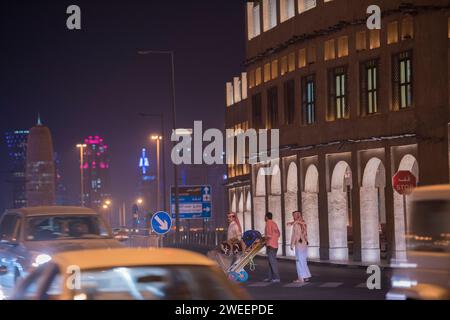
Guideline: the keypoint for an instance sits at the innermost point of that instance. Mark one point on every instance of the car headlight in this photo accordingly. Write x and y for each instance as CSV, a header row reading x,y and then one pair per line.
x,y
403,283
41,259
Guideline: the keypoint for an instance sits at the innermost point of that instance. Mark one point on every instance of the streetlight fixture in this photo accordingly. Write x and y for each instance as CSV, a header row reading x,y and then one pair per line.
x,y
158,166
82,147
174,123
139,201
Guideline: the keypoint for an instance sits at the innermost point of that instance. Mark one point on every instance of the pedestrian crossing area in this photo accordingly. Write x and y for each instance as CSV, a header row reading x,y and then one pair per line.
x,y
324,285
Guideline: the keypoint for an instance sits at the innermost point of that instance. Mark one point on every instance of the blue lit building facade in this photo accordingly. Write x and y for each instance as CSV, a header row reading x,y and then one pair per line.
x,y
16,142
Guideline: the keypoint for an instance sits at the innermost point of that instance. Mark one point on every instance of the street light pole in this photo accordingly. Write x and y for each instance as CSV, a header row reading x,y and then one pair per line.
x,y
174,124
81,147
158,166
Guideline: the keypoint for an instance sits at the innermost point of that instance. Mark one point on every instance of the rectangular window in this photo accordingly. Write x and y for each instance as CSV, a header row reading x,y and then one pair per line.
x,y
330,50
308,100
402,81
289,102
270,14
253,20
284,65
312,55
258,76
407,28
272,108
369,87
392,32
374,39
448,28
302,58
230,94
274,69
342,47
291,65
267,72
257,111
361,41
338,101
305,5
287,9
251,79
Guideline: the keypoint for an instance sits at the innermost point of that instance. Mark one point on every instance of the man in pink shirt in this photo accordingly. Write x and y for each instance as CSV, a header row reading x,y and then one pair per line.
x,y
272,234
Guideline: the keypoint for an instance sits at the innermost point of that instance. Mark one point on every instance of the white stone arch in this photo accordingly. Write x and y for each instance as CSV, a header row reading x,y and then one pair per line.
x,y
260,189
292,178
233,203
338,212
275,181
247,212
372,209
408,163
240,208
310,205
275,198
290,202
259,201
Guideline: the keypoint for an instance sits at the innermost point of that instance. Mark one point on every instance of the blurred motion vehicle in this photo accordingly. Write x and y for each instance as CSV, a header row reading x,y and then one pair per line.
x,y
121,234
426,274
128,274
29,237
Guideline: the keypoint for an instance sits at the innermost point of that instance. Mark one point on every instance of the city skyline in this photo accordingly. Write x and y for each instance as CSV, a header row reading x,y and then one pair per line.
x,y
94,81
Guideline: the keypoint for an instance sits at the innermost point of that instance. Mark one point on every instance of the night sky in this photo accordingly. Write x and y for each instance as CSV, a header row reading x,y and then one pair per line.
x,y
93,82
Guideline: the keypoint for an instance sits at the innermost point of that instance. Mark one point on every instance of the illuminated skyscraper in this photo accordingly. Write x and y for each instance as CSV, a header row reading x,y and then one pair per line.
x,y
96,172
147,188
40,170
16,141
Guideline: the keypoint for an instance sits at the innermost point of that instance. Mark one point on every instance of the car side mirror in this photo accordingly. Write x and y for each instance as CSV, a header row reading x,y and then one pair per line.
x,y
3,270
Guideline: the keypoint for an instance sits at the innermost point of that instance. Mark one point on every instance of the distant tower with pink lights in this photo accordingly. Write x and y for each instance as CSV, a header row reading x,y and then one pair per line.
x,y
96,172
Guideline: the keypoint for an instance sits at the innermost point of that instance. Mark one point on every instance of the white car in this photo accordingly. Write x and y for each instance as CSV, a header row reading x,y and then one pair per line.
x,y
128,274
426,273
29,237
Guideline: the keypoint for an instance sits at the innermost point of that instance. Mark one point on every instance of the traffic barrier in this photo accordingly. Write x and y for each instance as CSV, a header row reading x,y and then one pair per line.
x,y
138,241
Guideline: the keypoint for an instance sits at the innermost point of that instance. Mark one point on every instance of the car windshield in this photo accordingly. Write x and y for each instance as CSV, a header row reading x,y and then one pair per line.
x,y
429,226
154,283
45,228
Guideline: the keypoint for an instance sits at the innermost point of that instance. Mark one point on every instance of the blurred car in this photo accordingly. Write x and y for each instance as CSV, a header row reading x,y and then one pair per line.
x,y
128,274
426,273
29,237
121,234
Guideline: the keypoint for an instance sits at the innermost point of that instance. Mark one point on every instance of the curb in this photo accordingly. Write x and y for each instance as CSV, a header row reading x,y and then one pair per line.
x,y
352,265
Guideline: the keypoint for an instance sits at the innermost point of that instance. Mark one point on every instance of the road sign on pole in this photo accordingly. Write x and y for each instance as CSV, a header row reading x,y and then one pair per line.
x,y
404,182
195,202
161,223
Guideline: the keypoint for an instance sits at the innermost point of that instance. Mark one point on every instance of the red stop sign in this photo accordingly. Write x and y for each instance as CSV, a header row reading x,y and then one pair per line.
x,y
404,182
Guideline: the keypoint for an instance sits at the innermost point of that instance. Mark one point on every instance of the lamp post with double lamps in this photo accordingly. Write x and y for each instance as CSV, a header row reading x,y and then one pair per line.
x,y
174,123
82,147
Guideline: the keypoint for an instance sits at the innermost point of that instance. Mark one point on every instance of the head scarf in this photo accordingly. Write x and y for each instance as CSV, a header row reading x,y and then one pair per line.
x,y
235,219
298,218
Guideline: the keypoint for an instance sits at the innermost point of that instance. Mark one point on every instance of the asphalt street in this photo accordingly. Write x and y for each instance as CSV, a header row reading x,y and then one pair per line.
x,y
327,282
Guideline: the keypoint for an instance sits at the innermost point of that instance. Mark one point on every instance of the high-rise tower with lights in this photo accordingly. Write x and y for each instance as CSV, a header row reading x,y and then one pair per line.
x,y
96,172
40,168
16,142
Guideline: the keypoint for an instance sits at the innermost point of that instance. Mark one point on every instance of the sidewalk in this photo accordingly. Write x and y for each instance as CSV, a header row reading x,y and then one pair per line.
x,y
342,264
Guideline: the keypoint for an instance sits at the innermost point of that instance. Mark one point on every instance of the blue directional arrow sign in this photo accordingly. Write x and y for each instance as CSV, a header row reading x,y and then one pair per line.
x,y
161,223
